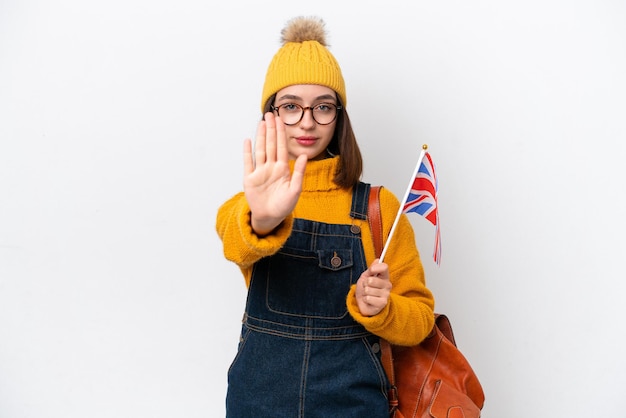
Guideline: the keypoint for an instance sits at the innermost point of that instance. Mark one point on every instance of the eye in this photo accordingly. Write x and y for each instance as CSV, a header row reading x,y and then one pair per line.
x,y
290,107
324,107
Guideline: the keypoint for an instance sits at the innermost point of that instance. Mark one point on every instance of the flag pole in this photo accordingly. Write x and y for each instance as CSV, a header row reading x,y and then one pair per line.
x,y
403,202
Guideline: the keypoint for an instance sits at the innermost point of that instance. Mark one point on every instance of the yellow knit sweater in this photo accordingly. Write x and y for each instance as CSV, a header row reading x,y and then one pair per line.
x,y
408,317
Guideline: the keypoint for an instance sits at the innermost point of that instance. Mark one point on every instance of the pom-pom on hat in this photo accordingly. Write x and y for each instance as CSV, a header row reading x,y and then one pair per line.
x,y
303,59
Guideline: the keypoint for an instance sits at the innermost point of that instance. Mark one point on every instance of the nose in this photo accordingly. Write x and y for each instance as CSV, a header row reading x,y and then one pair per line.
x,y
307,121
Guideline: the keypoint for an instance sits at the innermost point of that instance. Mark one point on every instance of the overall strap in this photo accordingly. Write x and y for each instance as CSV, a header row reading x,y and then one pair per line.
x,y
360,196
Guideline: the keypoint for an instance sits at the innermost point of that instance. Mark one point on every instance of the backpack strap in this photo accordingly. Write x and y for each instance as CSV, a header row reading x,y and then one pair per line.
x,y
376,225
374,219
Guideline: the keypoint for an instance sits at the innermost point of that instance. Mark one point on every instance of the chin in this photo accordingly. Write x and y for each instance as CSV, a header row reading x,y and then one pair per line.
x,y
310,154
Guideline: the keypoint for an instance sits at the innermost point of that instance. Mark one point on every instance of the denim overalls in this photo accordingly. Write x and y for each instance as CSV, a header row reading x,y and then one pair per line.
x,y
301,354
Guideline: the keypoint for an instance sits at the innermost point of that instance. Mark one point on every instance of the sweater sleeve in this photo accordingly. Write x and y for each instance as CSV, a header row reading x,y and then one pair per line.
x,y
408,317
241,245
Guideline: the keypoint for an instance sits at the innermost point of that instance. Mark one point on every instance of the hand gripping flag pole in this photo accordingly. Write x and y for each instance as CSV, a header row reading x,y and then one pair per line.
x,y
421,197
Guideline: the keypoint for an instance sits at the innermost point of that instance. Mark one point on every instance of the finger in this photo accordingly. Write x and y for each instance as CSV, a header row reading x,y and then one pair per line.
x,y
282,153
259,146
373,293
377,268
248,163
372,300
297,177
376,284
270,137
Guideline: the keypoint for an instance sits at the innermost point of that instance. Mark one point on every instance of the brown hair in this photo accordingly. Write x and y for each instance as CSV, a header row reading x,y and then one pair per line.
x,y
344,143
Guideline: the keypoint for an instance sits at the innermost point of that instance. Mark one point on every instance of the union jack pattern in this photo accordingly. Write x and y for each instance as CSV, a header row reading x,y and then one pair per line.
x,y
422,199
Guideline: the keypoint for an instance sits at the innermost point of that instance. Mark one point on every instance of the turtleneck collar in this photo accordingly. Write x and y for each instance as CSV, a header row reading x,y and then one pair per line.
x,y
319,174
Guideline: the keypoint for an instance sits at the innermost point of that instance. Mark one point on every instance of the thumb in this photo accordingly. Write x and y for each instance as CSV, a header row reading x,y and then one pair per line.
x,y
298,172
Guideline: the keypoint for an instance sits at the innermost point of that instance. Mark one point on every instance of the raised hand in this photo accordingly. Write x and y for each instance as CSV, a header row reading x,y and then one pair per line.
x,y
271,190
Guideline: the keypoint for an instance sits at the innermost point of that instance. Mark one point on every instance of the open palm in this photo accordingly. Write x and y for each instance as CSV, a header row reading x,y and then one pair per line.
x,y
271,190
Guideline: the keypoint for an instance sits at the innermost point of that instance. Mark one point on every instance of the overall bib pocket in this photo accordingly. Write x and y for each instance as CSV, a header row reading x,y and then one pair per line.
x,y
310,283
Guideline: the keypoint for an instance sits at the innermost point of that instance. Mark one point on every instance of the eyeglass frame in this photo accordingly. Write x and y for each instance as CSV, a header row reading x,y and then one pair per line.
x,y
304,109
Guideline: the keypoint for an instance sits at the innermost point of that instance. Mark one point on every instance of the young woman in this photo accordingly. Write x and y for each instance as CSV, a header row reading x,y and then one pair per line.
x,y
318,300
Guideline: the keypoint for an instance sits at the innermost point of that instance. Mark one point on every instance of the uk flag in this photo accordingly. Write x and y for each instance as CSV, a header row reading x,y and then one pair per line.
x,y
422,199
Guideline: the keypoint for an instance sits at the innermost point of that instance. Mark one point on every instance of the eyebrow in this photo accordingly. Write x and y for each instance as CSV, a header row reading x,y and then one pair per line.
x,y
294,97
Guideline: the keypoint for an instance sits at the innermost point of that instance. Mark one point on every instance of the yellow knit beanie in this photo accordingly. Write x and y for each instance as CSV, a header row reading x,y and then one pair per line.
x,y
303,59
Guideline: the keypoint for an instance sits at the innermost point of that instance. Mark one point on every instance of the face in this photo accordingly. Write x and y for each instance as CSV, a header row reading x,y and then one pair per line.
x,y
307,136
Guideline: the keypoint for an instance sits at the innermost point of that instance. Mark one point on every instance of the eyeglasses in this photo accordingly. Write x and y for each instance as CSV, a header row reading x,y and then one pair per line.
x,y
292,113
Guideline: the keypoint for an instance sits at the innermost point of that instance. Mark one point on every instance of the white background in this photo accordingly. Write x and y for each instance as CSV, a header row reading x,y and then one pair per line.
x,y
121,130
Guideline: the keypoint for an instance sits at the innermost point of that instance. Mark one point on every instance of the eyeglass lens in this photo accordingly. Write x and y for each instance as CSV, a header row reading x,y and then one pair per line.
x,y
292,113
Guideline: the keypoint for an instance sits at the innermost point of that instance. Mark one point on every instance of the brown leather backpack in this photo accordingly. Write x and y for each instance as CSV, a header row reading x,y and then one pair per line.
x,y
432,379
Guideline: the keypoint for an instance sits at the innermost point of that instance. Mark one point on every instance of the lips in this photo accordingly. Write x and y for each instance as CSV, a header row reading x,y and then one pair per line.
x,y
306,140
